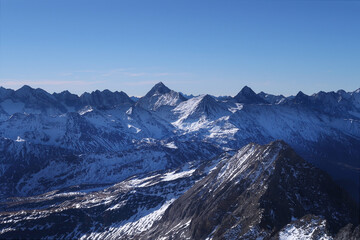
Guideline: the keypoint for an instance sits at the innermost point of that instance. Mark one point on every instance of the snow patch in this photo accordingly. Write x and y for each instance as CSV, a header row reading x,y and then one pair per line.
x,y
171,145
173,176
19,139
310,231
85,110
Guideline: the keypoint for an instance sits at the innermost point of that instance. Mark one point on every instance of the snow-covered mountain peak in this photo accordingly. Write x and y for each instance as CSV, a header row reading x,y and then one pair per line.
x,y
203,106
160,96
158,89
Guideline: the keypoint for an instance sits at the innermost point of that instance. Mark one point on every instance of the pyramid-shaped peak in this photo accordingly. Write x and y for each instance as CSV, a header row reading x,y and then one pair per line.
x,y
160,84
159,96
247,90
159,88
301,97
247,95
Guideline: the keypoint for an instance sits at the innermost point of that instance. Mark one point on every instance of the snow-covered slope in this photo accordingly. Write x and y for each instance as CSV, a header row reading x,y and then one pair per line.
x,y
96,211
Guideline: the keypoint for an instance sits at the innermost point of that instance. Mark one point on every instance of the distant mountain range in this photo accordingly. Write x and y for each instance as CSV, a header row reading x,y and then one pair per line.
x,y
168,165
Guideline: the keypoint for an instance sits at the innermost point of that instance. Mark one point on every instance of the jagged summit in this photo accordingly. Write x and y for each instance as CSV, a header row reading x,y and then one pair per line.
x,y
247,95
105,99
32,100
67,98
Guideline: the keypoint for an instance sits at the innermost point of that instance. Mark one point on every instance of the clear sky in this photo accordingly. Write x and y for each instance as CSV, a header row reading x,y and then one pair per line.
x,y
196,47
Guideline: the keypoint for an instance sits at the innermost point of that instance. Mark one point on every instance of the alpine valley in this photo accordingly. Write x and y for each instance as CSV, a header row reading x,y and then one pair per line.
x,y
171,166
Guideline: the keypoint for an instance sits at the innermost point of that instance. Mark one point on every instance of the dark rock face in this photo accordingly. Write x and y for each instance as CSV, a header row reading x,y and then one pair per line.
x,y
69,99
57,103
247,95
255,194
105,99
332,103
37,99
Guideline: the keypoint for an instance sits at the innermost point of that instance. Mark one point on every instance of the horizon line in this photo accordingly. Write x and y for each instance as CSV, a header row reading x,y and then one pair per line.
x,y
160,82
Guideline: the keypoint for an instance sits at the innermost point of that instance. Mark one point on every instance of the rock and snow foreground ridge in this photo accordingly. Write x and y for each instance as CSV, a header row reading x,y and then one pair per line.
x,y
260,192
108,166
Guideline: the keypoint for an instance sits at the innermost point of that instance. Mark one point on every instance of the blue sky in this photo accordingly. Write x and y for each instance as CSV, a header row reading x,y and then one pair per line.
x,y
196,47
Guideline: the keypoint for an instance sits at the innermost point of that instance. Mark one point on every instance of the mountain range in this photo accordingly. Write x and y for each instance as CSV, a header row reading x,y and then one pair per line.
x,y
175,166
